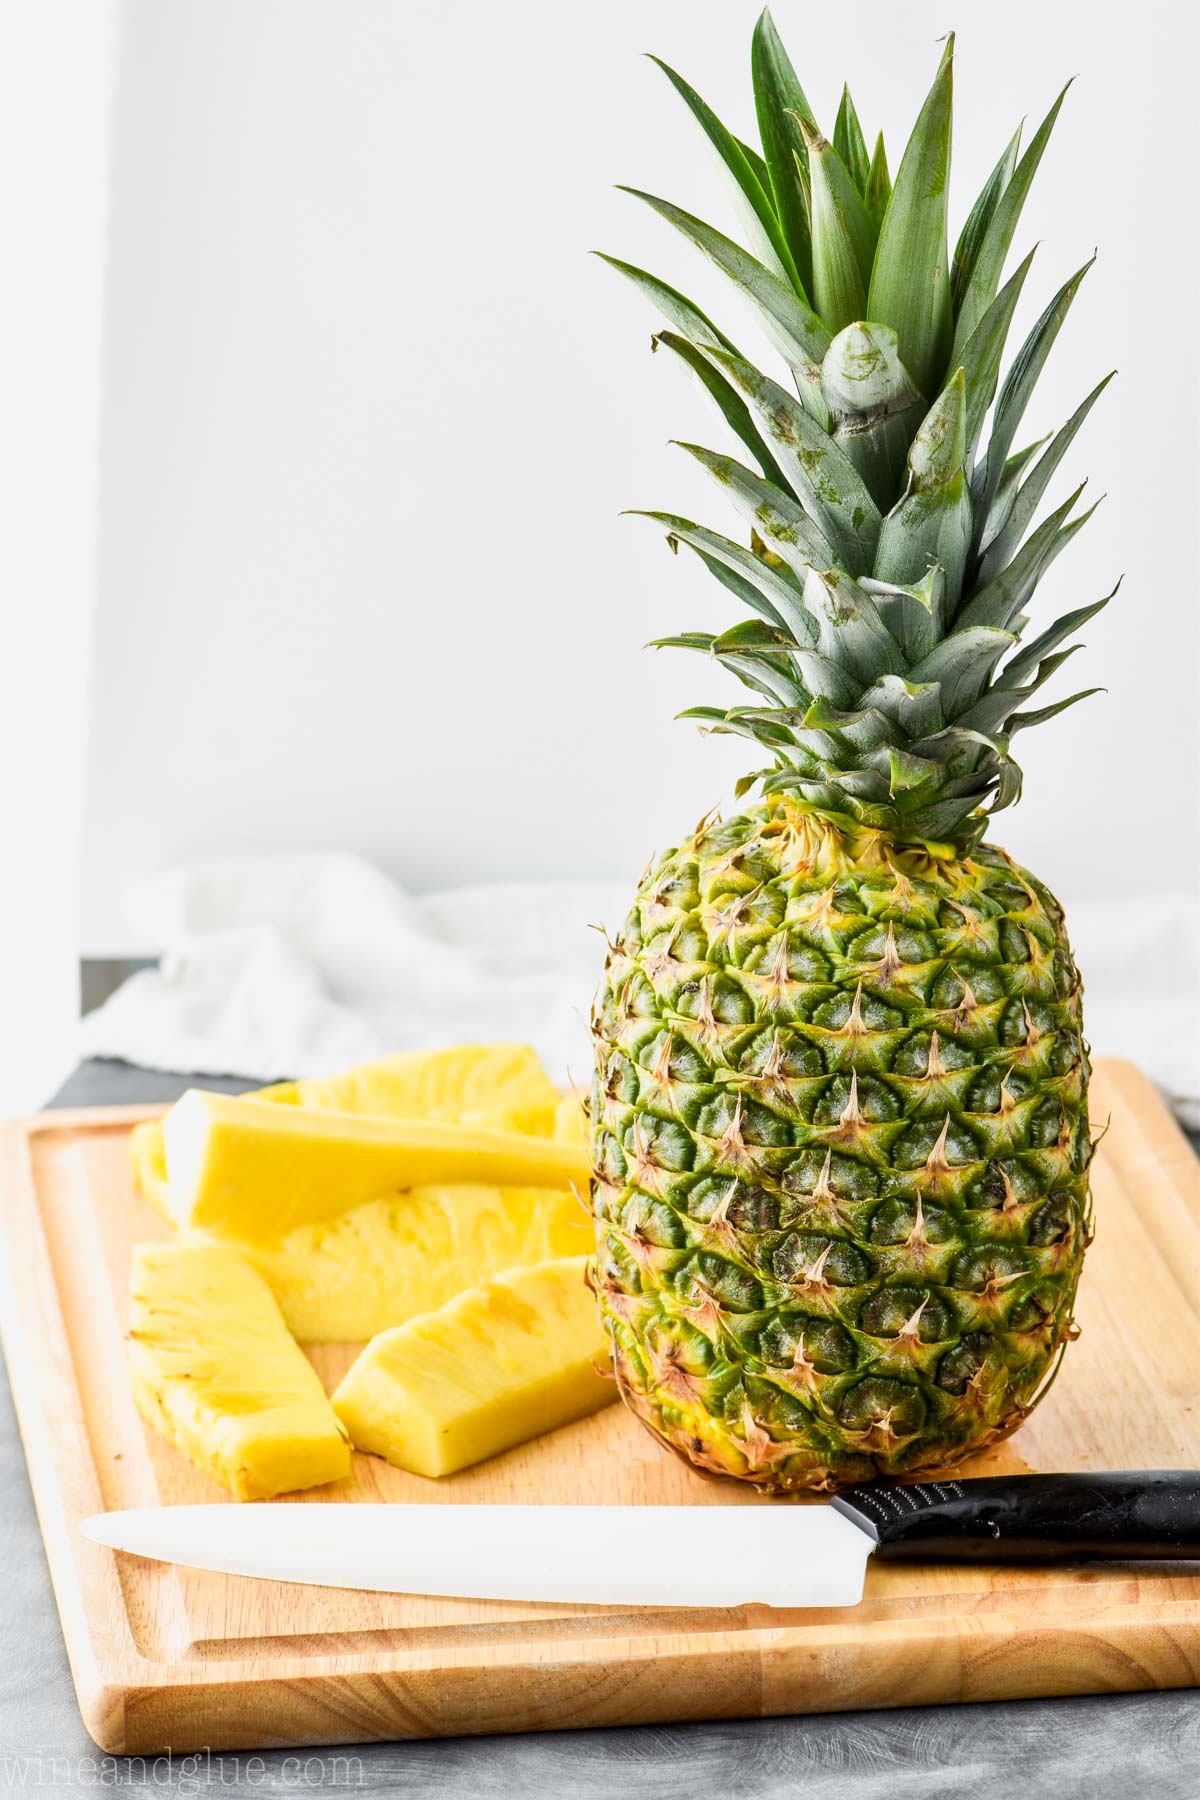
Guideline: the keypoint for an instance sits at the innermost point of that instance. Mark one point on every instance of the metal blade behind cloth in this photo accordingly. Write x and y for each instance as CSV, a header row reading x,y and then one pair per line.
x,y
777,1555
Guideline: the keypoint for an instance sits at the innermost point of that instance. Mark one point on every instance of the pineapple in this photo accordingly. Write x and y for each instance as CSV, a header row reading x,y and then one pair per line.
x,y
390,1259
839,1119
502,1086
148,1154
386,1260
215,1371
498,1365
251,1169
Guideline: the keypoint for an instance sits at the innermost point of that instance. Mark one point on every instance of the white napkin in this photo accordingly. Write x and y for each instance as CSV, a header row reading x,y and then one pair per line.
x,y
296,965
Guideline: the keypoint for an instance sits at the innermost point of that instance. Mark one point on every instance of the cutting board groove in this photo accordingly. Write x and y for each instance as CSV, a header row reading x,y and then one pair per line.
x,y
175,1658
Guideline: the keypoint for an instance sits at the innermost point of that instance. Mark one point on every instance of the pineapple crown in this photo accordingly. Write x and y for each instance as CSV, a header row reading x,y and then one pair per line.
x,y
892,555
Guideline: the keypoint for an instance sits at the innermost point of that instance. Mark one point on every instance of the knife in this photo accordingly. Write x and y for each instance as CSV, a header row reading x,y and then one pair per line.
x,y
782,1554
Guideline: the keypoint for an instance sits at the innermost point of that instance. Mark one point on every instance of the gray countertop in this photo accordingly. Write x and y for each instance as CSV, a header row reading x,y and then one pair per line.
x,y
1087,1749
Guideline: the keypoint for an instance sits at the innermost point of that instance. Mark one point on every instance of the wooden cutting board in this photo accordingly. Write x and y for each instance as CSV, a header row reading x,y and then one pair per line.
x,y
173,1658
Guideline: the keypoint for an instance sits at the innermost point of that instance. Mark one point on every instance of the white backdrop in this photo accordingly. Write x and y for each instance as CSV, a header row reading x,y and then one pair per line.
x,y
371,413
57,61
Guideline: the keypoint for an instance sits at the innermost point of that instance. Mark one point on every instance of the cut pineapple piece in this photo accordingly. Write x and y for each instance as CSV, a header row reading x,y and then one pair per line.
x,y
502,1087
390,1259
217,1373
570,1121
497,1365
149,1154
250,1169
475,1082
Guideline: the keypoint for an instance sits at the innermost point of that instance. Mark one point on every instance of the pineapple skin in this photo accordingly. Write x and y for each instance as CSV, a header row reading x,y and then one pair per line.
x,y
217,1374
499,1364
840,1149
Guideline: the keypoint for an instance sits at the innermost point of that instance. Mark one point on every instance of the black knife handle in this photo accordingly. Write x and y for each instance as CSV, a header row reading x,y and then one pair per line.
x,y
1137,1513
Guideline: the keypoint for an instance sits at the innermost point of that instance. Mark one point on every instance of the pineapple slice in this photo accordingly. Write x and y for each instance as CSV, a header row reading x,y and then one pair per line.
x,y
216,1372
497,1365
249,1169
499,1086
149,1156
570,1121
390,1259
465,1083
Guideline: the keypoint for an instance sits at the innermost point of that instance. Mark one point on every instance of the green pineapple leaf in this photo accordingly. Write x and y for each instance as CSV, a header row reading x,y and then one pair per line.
x,y
850,631
780,102
962,664
979,218
980,360
1001,599
843,239
772,594
873,406
790,323
736,584
730,403
931,524
916,706
915,615
754,158
1023,720
826,678
681,314
755,207
826,482
850,144
1029,655
1010,481
1018,385
762,730
878,190
769,509
987,264
767,670
1028,496
910,282
998,704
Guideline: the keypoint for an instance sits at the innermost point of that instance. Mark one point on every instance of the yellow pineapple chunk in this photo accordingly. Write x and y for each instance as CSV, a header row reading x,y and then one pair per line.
x,y
149,1154
250,1169
497,1365
217,1373
390,1259
570,1121
472,1082
501,1086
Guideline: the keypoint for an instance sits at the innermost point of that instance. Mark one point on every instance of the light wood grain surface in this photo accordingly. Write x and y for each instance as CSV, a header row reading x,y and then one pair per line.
x,y
171,1656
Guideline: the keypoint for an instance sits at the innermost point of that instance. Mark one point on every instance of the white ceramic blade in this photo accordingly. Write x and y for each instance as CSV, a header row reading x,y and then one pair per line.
x,y
778,1555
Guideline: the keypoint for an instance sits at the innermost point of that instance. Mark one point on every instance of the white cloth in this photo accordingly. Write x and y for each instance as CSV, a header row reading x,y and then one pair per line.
x,y
298,965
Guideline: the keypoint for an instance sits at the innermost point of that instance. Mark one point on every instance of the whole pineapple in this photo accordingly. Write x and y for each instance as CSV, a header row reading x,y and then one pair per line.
x,y
839,1118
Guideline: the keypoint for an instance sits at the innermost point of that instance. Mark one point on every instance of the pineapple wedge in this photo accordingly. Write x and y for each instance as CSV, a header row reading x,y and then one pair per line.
x,y
149,1155
390,1259
251,1169
465,1083
217,1373
499,1086
497,1365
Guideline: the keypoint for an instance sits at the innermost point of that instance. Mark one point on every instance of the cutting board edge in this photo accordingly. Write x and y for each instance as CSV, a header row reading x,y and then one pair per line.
x,y
657,1682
